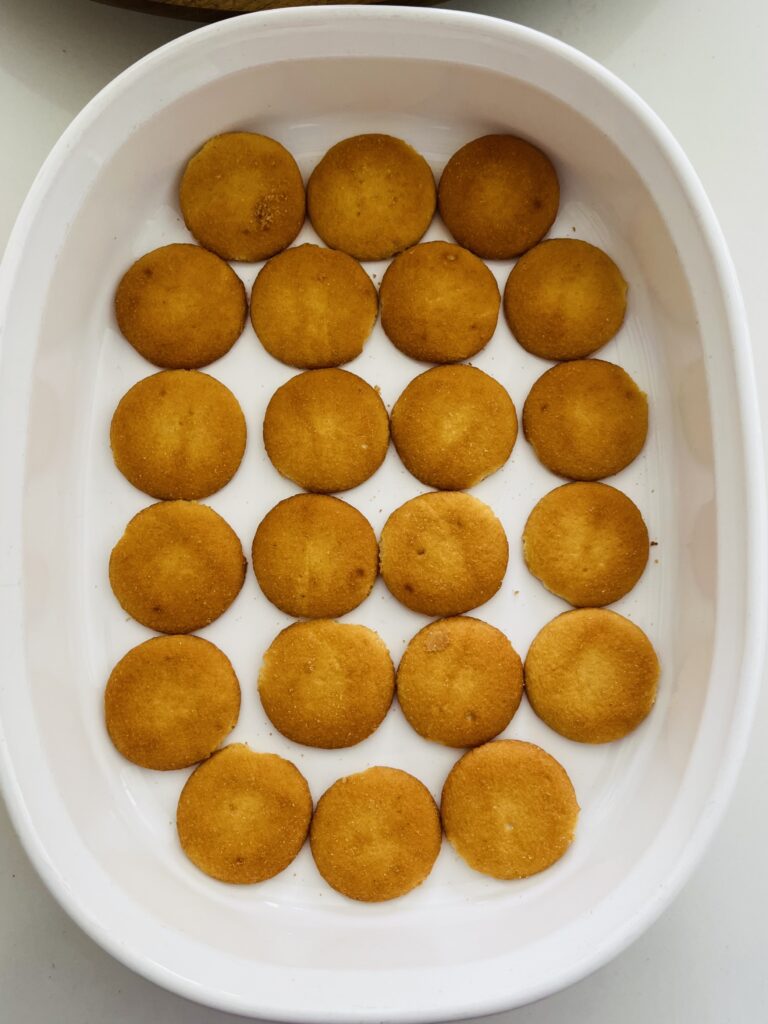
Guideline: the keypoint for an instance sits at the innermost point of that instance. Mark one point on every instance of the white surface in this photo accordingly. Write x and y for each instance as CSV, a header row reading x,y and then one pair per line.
x,y
694,987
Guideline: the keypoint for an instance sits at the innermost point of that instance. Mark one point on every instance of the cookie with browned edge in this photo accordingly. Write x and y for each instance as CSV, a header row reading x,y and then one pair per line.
x,y
443,553
315,556
587,543
498,196
509,809
181,307
565,299
439,303
459,682
327,430
243,816
453,426
591,675
586,419
177,567
241,196
326,684
375,835
371,196
171,701
313,307
178,434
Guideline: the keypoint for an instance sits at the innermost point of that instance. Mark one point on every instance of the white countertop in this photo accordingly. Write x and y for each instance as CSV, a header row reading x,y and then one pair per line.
x,y
701,65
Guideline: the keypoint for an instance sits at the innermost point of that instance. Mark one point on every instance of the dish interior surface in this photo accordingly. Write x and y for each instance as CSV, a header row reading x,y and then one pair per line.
x,y
106,828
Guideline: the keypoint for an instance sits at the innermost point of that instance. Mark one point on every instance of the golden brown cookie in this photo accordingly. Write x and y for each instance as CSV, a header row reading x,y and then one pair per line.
x,y
565,299
498,196
509,809
443,553
242,196
587,543
313,307
375,835
459,682
178,434
439,303
326,684
171,701
453,426
177,567
315,556
243,816
180,306
371,196
586,419
591,675
327,430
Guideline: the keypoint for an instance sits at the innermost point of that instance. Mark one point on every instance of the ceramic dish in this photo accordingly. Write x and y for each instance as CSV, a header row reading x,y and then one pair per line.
x,y
100,830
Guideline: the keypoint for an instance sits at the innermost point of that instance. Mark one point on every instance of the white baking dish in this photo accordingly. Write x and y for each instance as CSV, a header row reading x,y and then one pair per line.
x,y
99,830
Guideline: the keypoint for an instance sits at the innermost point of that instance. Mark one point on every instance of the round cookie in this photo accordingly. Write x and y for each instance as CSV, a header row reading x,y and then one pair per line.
x,y
439,303
459,682
315,556
509,809
371,196
313,307
443,553
243,816
327,430
586,419
177,567
180,307
375,835
565,299
587,543
241,195
326,684
171,701
178,434
591,675
498,196
453,426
